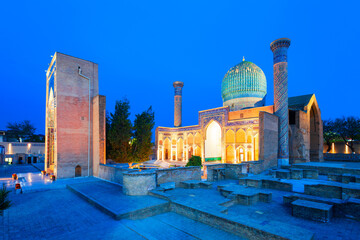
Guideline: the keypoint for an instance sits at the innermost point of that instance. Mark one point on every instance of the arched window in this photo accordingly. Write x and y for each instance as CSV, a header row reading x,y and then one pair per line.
x,y
78,171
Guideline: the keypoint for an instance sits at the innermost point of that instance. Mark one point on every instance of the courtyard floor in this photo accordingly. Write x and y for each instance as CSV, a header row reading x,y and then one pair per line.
x,y
50,210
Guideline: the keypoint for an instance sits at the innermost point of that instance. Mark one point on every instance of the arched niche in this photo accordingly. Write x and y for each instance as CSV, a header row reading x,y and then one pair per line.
x,y
213,142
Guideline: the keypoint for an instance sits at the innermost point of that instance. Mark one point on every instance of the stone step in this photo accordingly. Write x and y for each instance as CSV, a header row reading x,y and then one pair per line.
x,y
109,198
316,211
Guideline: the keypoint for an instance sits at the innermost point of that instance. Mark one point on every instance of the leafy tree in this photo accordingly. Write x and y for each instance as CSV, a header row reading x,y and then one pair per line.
x,y
108,144
120,132
194,161
141,144
21,130
329,133
348,130
5,203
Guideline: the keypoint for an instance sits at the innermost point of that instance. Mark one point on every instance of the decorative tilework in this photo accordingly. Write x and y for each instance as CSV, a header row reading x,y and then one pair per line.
x,y
279,48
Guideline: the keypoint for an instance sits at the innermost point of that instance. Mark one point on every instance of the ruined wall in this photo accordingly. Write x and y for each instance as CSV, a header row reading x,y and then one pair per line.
x,y
112,173
268,141
178,175
232,171
99,129
72,115
299,144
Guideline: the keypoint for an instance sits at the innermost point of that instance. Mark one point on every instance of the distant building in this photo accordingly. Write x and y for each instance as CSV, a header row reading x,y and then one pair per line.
x,y
21,152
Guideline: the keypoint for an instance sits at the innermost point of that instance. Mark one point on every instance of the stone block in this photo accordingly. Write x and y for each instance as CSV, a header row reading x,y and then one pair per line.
x,y
296,173
334,177
286,166
190,184
225,192
138,183
247,198
265,197
277,185
283,174
312,210
351,209
242,181
288,199
218,174
256,183
352,190
207,185
167,186
322,190
311,173
347,178
357,179
272,173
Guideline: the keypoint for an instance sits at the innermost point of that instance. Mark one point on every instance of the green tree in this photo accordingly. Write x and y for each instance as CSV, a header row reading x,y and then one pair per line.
x,y
24,130
108,144
348,129
120,132
329,133
194,161
141,144
5,203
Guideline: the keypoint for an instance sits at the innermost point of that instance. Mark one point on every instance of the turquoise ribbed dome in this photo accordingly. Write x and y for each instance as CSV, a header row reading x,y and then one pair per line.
x,y
244,86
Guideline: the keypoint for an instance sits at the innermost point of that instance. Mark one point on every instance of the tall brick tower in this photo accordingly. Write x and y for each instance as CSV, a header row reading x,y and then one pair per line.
x,y
75,118
178,103
279,48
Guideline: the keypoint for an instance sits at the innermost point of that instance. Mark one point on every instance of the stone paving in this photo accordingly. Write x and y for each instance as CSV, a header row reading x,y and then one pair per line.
x,y
60,214
275,211
7,170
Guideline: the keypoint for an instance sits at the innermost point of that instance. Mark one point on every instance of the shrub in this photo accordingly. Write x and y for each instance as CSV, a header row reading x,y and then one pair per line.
x,y
4,201
194,161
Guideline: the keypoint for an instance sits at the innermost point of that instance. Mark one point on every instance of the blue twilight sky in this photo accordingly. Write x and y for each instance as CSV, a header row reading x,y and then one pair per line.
x,y
143,46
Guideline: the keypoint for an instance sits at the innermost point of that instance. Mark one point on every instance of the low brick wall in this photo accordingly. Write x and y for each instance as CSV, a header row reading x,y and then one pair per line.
x,y
325,170
178,175
138,183
112,173
232,171
342,157
321,190
273,184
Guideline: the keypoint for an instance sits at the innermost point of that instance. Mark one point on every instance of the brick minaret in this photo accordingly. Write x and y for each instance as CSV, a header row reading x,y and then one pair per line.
x,y
279,48
178,103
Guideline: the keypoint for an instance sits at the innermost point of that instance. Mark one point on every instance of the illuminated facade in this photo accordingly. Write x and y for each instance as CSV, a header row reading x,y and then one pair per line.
x,y
246,130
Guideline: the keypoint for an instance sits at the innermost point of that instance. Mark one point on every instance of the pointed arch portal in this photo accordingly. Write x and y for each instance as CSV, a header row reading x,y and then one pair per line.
x,y
213,142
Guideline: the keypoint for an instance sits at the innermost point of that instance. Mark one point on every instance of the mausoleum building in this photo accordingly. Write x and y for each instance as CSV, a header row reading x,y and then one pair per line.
x,y
244,129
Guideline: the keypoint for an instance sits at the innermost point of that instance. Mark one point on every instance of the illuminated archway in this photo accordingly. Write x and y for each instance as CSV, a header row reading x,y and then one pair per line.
x,y
167,149
179,147
240,136
190,139
197,151
213,142
230,137
230,154
256,147
198,138
240,153
249,136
